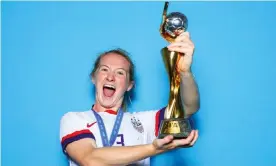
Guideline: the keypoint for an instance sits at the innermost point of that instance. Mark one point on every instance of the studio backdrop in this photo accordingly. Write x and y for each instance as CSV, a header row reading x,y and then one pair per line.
x,y
48,51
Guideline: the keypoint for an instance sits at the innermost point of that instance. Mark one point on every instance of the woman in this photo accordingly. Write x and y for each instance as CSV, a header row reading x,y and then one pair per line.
x,y
106,135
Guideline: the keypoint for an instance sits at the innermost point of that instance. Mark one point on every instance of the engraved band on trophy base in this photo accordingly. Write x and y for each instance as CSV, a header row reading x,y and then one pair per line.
x,y
179,128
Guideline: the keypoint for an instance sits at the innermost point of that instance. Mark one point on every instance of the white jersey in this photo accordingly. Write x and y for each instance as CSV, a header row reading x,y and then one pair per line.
x,y
136,128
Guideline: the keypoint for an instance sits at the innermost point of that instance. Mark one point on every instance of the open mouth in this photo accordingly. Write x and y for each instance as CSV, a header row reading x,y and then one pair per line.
x,y
109,90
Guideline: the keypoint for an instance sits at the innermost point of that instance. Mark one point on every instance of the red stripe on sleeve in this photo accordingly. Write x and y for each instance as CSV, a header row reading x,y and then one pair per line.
x,y
157,121
86,131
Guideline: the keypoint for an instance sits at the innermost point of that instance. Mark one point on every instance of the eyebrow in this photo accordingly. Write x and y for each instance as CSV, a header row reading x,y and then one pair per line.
x,y
104,65
116,69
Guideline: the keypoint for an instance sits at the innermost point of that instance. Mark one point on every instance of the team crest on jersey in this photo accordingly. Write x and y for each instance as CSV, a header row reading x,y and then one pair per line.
x,y
137,124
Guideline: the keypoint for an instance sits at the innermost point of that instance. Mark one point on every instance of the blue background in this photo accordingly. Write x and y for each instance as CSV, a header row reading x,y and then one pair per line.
x,y
48,50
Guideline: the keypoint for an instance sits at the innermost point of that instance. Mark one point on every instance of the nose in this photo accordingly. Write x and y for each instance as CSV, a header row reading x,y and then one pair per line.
x,y
110,76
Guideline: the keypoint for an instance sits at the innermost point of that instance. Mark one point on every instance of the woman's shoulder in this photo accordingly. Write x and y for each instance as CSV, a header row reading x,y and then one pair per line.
x,y
77,115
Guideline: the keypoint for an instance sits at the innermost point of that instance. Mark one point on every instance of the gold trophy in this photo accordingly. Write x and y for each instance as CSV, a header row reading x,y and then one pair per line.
x,y
174,122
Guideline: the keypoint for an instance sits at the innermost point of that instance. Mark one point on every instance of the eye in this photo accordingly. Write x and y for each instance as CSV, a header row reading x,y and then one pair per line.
x,y
121,72
104,69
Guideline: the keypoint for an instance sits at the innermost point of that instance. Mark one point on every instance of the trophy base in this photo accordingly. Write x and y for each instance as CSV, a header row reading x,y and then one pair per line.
x,y
178,127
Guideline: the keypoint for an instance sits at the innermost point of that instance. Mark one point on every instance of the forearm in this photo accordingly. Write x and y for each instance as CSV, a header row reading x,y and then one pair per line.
x,y
189,93
120,155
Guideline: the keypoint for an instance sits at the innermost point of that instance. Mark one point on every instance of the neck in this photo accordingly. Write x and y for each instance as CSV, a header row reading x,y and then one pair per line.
x,y
99,108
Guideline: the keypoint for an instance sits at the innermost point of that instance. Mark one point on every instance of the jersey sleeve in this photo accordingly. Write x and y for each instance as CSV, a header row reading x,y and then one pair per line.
x,y
73,128
158,118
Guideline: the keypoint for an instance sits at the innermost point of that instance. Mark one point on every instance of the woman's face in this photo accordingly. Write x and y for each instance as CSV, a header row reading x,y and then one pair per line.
x,y
112,80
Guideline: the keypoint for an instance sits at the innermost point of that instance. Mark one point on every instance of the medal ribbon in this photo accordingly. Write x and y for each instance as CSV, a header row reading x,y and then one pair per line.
x,y
115,129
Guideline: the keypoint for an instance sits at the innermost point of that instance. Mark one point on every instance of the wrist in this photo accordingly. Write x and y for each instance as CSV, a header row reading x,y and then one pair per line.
x,y
154,150
186,73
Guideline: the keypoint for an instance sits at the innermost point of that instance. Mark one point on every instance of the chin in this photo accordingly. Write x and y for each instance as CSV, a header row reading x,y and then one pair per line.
x,y
107,102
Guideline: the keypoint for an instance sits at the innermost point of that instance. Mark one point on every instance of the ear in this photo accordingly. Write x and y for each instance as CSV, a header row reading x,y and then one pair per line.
x,y
130,86
93,79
